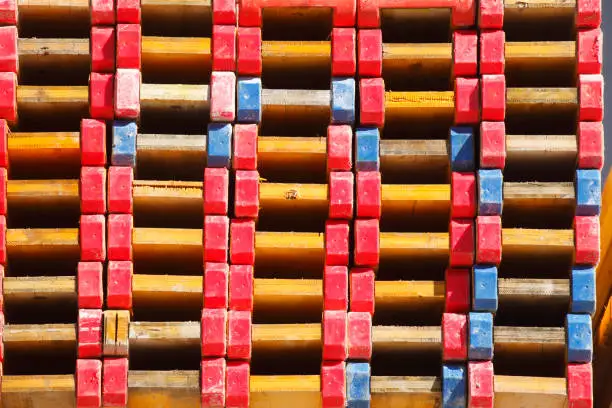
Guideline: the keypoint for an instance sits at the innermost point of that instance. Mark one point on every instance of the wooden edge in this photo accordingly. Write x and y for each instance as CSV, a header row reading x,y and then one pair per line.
x,y
25,290
181,389
276,338
400,155
285,54
174,241
603,353
173,195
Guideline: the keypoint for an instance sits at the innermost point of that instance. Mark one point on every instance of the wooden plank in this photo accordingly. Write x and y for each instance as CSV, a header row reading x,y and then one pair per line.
x,y
419,105
182,98
278,390
526,150
41,337
305,296
176,10
440,104
60,53
540,242
163,389
269,339
52,100
541,100
165,54
603,351
48,194
192,53
530,55
604,273
546,342
413,156
279,104
546,293
402,156
53,10
28,290
169,335
521,10
283,246
417,392
26,391
532,392
166,389
540,196
152,196
201,9
45,148
49,243
309,247
273,153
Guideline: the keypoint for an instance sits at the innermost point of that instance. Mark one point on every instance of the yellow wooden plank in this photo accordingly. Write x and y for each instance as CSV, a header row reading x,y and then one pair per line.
x,y
181,389
151,196
538,10
404,246
405,156
309,248
417,392
43,242
42,337
154,197
27,290
274,153
194,53
176,11
52,148
603,351
164,389
279,390
271,339
27,391
167,53
523,58
48,194
52,100
53,10
419,105
537,242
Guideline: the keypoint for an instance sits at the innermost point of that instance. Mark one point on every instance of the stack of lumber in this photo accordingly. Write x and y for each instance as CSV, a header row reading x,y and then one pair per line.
x,y
307,203
602,320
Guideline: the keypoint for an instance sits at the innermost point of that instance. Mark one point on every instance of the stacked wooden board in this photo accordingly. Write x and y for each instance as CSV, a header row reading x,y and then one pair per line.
x,y
601,319
312,203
